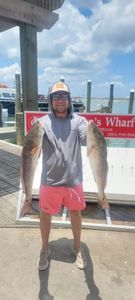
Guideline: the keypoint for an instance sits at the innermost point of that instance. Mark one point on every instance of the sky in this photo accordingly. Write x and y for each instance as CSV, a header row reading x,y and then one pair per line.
x,y
92,40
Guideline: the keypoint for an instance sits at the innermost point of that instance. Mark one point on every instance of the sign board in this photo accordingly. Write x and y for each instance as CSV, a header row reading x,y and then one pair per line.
x,y
112,126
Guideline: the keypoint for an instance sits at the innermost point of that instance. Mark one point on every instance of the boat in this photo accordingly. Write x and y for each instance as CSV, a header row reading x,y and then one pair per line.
x,y
7,99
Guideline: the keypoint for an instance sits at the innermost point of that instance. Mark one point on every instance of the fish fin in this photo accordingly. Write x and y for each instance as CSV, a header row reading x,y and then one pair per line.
x,y
35,149
106,176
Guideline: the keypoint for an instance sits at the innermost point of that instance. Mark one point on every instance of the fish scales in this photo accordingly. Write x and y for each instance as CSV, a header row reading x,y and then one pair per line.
x,y
97,154
30,154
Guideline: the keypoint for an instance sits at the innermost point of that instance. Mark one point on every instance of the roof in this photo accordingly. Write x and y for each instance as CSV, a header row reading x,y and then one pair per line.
x,y
34,12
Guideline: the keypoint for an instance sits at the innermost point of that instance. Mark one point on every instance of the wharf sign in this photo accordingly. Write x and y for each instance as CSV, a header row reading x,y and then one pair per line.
x,y
111,125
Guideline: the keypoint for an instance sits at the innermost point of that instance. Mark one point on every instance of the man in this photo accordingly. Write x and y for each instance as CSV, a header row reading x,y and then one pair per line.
x,y
61,178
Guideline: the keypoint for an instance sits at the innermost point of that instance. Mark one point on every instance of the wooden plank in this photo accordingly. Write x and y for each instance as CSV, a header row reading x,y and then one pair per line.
x,y
28,46
108,217
5,25
66,224
119,218
50,4
53,4
27,13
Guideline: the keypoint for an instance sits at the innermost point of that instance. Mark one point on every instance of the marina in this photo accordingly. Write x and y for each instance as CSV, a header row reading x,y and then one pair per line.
x,y
8,102
9,97
120,105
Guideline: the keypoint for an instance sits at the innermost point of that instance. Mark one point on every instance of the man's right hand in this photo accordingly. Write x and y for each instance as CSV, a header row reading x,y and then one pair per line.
x,y
26,208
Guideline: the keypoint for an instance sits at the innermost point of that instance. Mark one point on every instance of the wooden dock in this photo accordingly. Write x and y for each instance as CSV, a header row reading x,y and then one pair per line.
x,y
7,133
9,182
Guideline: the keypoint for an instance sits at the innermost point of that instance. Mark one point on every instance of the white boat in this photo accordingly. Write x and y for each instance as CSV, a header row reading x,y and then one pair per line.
x,y
7,93
7,99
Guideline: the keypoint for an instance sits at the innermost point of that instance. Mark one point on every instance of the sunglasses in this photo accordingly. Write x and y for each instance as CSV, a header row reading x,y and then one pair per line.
x,y
58,96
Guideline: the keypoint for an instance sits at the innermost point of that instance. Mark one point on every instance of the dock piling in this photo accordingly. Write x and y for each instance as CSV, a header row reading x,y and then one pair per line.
x,y
18,93
131,101
88,95
0,115
19,128
111,97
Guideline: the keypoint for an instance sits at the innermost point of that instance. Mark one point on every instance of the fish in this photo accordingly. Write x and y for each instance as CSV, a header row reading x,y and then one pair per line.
x,y
97,154
29,158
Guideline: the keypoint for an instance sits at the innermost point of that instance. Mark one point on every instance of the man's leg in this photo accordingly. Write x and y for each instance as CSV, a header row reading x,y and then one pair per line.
x,y
45,226
76,222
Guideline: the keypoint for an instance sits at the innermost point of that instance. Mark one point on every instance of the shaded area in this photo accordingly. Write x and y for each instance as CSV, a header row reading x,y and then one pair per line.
x,y
93,214
123,214
7,135
62,250
8,209
9,172
120,214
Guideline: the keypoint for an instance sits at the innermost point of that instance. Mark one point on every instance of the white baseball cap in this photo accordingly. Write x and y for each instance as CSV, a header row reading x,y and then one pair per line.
x,y
59,87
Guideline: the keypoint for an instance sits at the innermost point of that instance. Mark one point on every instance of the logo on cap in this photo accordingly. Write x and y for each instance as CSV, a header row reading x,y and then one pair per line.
x,y
59,86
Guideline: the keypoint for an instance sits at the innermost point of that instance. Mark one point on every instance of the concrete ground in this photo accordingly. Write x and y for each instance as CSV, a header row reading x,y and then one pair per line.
x,y
110,274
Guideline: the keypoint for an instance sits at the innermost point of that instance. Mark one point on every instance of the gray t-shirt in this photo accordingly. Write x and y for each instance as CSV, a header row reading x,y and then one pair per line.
x,y
62,160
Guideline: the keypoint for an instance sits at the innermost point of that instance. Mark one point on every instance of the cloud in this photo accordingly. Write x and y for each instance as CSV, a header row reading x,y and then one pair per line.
x,y
7,74
84,45
9,43
107,83
68,45
114,26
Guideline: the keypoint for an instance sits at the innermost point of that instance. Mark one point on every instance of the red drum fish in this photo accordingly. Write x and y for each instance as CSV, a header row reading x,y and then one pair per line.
x,y
97,154
29,158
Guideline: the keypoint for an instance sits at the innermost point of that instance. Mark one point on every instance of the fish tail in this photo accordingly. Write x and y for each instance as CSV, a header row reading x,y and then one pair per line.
x,y
103,202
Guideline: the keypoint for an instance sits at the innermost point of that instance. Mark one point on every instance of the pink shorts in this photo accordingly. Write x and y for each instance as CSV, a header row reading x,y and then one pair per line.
x,y
51,198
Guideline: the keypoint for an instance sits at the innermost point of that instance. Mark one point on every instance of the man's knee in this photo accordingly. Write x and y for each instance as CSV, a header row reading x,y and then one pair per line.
x,y
75,213
44,214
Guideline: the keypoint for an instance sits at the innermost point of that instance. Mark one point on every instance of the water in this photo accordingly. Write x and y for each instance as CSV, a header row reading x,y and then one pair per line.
x,y
121,143
120,105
